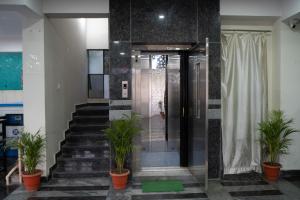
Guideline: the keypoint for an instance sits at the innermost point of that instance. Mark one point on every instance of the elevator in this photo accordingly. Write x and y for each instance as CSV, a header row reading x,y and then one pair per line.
x,y
169,94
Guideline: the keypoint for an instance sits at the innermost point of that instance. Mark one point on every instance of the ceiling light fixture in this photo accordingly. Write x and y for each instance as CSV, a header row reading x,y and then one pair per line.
x,y
122,53
161,16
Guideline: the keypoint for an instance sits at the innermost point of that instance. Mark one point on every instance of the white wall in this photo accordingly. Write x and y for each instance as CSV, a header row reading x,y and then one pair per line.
x,y
66,78
287,68
97,33
250,7
55,78
76,6
34,78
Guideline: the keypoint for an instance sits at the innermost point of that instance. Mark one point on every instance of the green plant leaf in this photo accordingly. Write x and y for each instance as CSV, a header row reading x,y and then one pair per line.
x,y
31,147
121,134
275,132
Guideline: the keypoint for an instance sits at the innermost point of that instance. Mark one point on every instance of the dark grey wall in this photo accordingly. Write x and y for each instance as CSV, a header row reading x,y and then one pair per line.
x,y
179,24
186,21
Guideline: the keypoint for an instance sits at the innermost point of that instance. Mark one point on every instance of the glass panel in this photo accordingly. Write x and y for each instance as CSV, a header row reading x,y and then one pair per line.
x,y
96,83
95,61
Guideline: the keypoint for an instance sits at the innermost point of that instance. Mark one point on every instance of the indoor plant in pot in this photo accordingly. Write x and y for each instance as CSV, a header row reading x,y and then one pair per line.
x,y
31,148
121,134
275,132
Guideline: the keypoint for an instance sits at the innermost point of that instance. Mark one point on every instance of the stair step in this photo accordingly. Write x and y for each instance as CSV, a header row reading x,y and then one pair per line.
x,y
86,141
91,104
93,107
94,159
85,151
90,119
92,111
78,174
68,197
86,147
81,136
90,154
80,127
83,164
89,124
73,188
86,133
99,181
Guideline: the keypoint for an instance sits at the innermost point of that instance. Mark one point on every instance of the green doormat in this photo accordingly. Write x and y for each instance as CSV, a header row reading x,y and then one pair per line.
x,y
162,186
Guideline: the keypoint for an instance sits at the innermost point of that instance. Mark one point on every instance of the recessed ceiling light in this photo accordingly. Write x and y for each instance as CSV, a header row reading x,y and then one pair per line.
x,y
122,53
177,48
161,16
116,42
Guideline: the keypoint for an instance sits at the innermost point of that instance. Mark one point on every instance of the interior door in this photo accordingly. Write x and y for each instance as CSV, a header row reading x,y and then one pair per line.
x,y
156,99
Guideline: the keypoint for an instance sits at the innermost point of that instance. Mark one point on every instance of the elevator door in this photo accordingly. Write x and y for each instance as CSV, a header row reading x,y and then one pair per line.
x,y
197,113
156,99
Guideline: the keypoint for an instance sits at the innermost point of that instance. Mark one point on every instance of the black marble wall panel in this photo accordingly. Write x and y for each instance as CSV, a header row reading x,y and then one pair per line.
x,y
119,20
178,26
186,21
209,24
120,69
214,71
106,61
214,127
203,18
214,22
214,148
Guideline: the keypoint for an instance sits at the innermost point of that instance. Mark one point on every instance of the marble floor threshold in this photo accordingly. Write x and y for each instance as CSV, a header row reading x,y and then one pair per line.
x,y
229,188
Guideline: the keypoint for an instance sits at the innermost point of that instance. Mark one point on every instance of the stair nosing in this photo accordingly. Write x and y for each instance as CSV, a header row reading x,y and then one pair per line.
x,y
87,125
91,116
57,171
83,146
86,135
68,159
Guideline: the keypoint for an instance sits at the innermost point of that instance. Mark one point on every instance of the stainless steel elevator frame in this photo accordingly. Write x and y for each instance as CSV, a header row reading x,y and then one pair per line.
x,y
201,48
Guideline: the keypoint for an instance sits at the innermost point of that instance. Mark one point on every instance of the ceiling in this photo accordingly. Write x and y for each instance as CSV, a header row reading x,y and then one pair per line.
x,y
10,24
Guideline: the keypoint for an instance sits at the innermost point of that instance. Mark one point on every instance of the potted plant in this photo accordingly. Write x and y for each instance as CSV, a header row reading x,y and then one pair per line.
x,y
31,148
275,132
121,134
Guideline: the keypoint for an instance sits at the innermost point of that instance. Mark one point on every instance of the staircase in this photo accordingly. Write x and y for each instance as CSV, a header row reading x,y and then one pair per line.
x,y
86,150
83,164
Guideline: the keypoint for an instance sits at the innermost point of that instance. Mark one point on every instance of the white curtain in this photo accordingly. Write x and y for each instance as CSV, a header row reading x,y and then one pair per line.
x,y
244,98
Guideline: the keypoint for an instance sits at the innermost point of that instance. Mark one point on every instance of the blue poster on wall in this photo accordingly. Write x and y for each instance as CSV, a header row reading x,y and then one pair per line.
x,y
11,71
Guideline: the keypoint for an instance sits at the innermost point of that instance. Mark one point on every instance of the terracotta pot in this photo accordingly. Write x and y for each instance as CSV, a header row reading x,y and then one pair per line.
x,y
271,172
32,182
119,180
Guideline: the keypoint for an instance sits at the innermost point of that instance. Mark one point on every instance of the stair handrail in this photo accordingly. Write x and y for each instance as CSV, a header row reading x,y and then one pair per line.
x,y
17,166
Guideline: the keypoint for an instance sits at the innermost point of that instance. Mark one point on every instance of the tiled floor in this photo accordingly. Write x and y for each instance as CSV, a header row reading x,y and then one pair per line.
x,y
243,187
